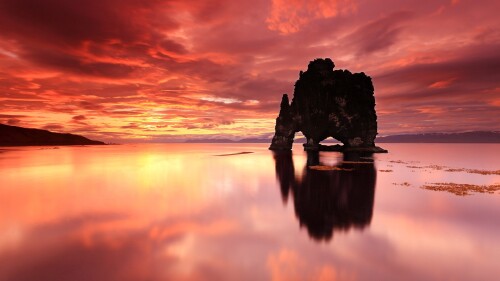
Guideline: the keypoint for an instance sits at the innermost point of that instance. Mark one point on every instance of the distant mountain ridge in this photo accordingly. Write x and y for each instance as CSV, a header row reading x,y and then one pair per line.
x,y
19,136
249,140
465,137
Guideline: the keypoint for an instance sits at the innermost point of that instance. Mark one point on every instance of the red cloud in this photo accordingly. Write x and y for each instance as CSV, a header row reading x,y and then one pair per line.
x,y
289,16
167,65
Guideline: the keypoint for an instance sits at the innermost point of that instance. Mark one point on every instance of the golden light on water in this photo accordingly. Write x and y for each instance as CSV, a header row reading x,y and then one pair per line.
x,y
163,211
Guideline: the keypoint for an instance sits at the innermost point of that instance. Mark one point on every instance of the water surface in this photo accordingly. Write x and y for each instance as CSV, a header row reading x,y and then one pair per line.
x,y
183,212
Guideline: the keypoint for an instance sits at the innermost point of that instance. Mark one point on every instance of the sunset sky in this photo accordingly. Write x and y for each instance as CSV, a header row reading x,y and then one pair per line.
x,y
164,70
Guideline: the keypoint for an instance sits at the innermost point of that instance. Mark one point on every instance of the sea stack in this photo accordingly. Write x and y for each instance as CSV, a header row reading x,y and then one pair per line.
x,y
329,103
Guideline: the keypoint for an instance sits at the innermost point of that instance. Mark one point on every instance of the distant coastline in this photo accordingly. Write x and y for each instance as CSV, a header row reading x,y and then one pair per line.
x,y
19,136
464,137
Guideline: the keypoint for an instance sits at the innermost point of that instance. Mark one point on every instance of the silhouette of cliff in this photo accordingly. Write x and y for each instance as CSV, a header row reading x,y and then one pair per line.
x,y
328,103
18,136
331,200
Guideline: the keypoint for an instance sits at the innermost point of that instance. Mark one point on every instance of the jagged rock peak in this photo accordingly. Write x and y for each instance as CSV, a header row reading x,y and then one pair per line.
x,y
284,102
321,65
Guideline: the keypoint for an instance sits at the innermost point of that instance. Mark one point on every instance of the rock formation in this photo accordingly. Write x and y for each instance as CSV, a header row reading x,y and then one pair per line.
x,y
329,103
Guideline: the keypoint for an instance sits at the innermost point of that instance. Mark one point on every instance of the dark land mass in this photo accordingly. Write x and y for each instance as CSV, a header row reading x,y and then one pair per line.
x,y
249,140
210,141
19,136
298,140
328,103
236,153
466,137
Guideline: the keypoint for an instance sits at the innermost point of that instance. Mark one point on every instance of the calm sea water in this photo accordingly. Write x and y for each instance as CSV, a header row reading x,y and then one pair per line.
x,y
184,212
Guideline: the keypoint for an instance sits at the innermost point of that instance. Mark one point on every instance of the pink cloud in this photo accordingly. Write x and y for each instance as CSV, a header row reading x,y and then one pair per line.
x,y
168,63
289,16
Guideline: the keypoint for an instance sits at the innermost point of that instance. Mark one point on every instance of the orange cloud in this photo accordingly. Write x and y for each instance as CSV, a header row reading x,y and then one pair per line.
x,y
289,16
168,70
442,84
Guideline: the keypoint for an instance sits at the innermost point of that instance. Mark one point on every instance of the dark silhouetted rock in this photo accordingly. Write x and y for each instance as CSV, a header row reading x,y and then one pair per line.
x,y
337,198
18,136
328,103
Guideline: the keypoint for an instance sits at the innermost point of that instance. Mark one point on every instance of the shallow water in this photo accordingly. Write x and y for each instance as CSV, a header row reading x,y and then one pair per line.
x,y
183,212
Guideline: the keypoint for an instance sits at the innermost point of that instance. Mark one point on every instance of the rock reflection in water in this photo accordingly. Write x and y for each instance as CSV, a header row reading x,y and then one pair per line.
x,y
328,200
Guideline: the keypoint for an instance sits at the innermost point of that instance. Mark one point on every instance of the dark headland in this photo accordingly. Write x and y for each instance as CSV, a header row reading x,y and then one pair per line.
x,y
19,136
